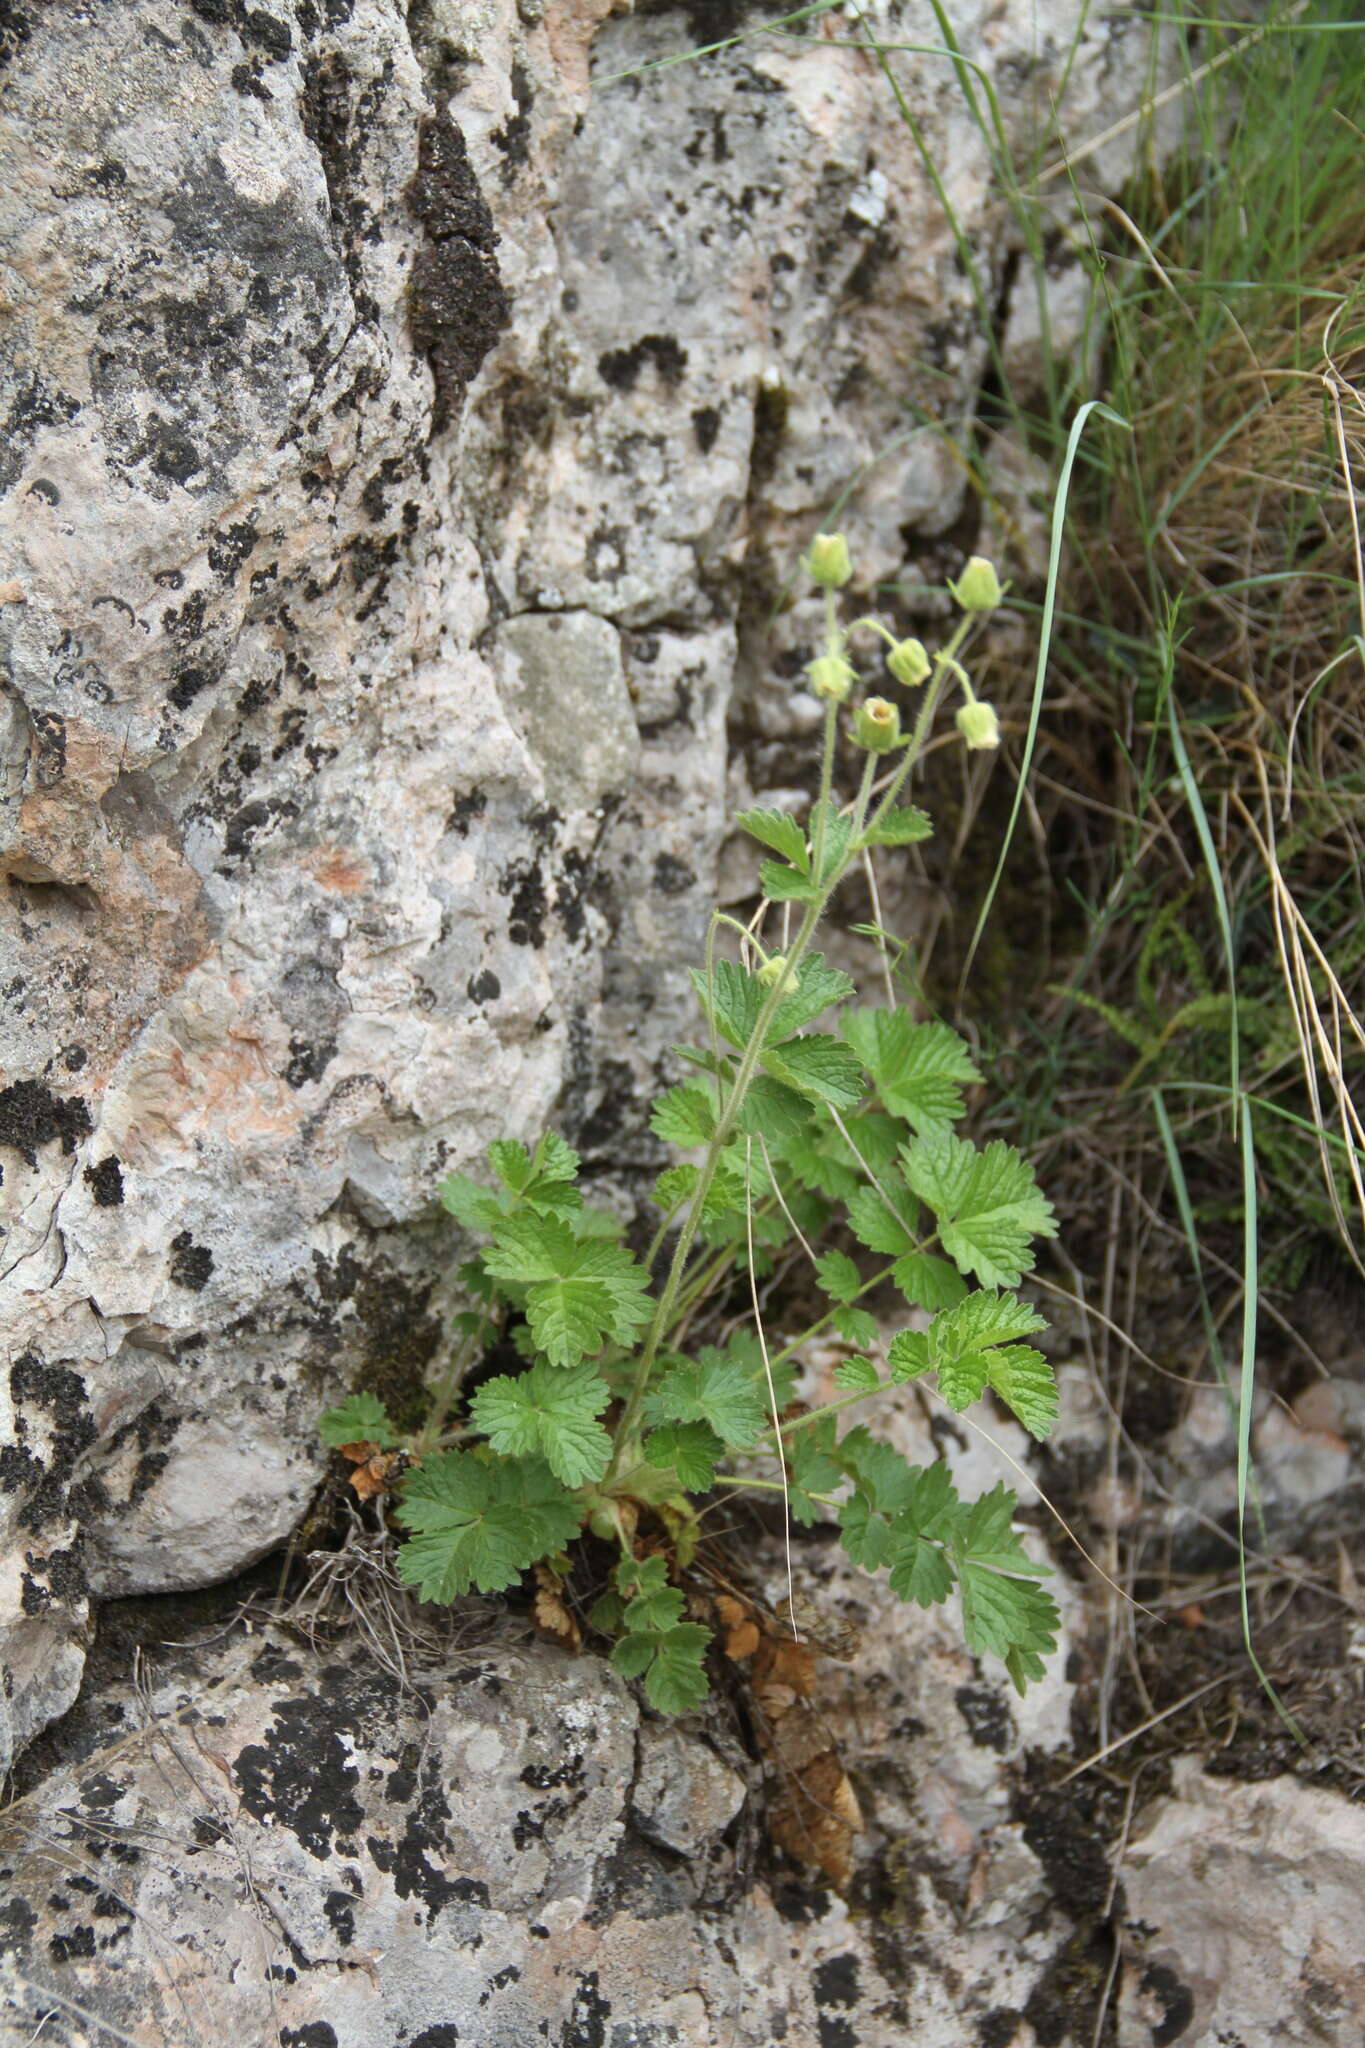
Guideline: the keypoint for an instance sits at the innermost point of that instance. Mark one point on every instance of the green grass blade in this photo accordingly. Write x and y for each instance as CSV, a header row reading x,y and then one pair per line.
x,y
1054,563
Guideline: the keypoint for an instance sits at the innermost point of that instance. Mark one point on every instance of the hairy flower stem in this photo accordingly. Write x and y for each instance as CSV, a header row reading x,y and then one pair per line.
x,y
628,1427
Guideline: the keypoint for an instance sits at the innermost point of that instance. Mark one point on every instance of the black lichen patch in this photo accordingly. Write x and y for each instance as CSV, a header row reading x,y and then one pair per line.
x,y
514,136
419,1860
445,2034
586,2025
464,810
36,404
308,1060
835,1983
300,1777
314,2034
672,877
483,987
706,426
986,1715
1176,2000
31,1116
621,367
191,1263
457,305
1072,1853
339,1908
524,881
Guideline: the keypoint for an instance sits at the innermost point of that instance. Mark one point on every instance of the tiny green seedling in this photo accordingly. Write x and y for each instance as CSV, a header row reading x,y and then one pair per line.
x,y
838,1140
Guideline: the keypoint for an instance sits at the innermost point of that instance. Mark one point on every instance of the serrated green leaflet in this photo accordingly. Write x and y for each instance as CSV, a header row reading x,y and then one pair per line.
x,y
579,1294
779,832
475,1207
885,1219
927,1282
818,1067
1024,1381
857,1376
360,1418
900,828
785,885
1011,1618
684,1116
855,1326
478,1525
919,1069
817,988
987,1204
691,1449
812,1470
675,1185
550,1411
717,1390
773,1111
671,1664
838,1276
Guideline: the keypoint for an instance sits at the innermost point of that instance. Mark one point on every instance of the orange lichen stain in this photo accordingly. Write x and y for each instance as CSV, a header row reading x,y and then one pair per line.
x,y
337,870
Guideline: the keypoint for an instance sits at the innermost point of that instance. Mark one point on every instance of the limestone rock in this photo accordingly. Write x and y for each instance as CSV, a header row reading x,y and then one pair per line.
x,y
262,1842
683,1795
1244,1902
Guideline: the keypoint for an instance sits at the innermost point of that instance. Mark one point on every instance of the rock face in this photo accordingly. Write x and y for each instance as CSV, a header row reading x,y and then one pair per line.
x,y
407,420
1245,1907
268,1844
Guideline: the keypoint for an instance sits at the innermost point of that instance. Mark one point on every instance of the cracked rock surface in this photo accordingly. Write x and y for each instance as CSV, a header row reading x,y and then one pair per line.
x,y
263,1842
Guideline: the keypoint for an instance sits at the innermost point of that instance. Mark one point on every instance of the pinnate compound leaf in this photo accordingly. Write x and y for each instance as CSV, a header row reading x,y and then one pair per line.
x,y
690,1449
987,1204
714,1389
480,1524
550,1411
359,1419
900,828
779,832
818,1067
684,1116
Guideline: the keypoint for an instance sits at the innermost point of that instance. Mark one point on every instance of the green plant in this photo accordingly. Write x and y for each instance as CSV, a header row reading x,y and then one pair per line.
x,y
837,1142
